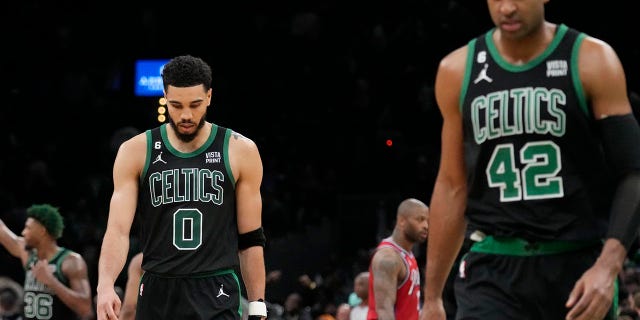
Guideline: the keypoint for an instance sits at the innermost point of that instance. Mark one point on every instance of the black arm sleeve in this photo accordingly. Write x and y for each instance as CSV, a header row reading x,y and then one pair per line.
x,y
625,211
621,142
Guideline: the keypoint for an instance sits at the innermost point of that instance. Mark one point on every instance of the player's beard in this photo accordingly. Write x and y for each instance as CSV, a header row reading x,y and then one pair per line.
x,y
187,137
413,236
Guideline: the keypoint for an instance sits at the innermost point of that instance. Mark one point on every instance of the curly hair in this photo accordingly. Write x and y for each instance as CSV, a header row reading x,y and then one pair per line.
x,y
49,217
186,71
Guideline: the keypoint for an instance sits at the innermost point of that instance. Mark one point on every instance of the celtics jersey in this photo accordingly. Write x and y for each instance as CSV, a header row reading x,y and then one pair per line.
x,y
187,206
533,153
40,302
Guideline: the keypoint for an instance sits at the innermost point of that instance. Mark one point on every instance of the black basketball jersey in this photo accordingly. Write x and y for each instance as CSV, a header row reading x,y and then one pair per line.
x,y
187,206
40,302
533,152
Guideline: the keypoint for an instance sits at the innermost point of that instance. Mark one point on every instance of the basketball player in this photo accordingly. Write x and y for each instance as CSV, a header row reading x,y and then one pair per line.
x,y
541,155
196,188
394,277
56,282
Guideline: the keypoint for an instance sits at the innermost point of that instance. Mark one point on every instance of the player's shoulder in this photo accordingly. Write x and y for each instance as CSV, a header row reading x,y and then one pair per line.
x,y
386,258
597,58
238,136
240,142
73,261
385,252
596,47
74,255
455,61
136,144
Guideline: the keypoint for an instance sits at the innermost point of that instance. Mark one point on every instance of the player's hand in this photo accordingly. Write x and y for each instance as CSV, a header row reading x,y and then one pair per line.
x,y
43,272
592,295
108,304
432,310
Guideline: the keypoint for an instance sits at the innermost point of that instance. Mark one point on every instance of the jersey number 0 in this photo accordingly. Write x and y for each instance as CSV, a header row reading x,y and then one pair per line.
x,y
187,229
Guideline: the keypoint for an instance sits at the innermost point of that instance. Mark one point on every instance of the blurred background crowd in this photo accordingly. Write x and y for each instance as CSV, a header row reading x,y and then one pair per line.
x,y
338,96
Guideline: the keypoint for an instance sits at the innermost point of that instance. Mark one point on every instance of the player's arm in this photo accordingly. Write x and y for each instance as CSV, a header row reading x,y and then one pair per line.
x,y
115,244
77,295
446,218
604,83
134,272
386,267
13,243
247,168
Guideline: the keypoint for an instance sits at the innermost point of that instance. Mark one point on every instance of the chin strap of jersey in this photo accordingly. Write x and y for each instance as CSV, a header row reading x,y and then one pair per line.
x,y
257,309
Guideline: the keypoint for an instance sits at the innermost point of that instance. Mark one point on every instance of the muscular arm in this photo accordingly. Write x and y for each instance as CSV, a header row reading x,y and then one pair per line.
x,y
78,294
387,267
13,243
134,272
247,167
446,220
115,244
604,83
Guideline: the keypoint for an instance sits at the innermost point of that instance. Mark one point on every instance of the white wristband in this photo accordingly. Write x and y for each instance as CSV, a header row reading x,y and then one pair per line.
x,y
257,308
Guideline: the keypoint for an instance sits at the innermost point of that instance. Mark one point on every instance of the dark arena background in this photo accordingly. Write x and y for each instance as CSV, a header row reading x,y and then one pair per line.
x,y
338,96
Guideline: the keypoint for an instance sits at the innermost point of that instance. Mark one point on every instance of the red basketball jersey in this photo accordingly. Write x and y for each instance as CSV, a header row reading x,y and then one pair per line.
x,y
408,293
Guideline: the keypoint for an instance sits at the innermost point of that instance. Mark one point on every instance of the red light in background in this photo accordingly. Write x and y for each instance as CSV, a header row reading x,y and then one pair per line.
x,y
389,142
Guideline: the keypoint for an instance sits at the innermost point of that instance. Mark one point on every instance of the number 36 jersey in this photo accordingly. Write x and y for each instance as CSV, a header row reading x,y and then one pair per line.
x,y
187,206
40,301
532,150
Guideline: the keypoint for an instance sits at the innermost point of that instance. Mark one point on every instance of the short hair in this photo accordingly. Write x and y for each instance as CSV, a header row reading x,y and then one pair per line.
x,y
186,71
49,217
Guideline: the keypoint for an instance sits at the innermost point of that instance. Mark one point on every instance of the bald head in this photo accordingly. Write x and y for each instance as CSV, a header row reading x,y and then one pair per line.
x,y
362,276
412,222
361,285
409,206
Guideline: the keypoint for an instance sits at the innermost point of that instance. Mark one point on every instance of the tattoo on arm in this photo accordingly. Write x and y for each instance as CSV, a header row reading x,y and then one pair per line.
x,y
386,269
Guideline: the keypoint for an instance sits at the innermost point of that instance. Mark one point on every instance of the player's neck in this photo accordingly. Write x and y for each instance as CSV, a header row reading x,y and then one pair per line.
x,y
401,241
201,137
47,250
519,51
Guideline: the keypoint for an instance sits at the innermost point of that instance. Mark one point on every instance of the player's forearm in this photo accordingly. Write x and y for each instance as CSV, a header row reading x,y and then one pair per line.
x,y
446,234
253,272
113,256
78,300
9,240
625,210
